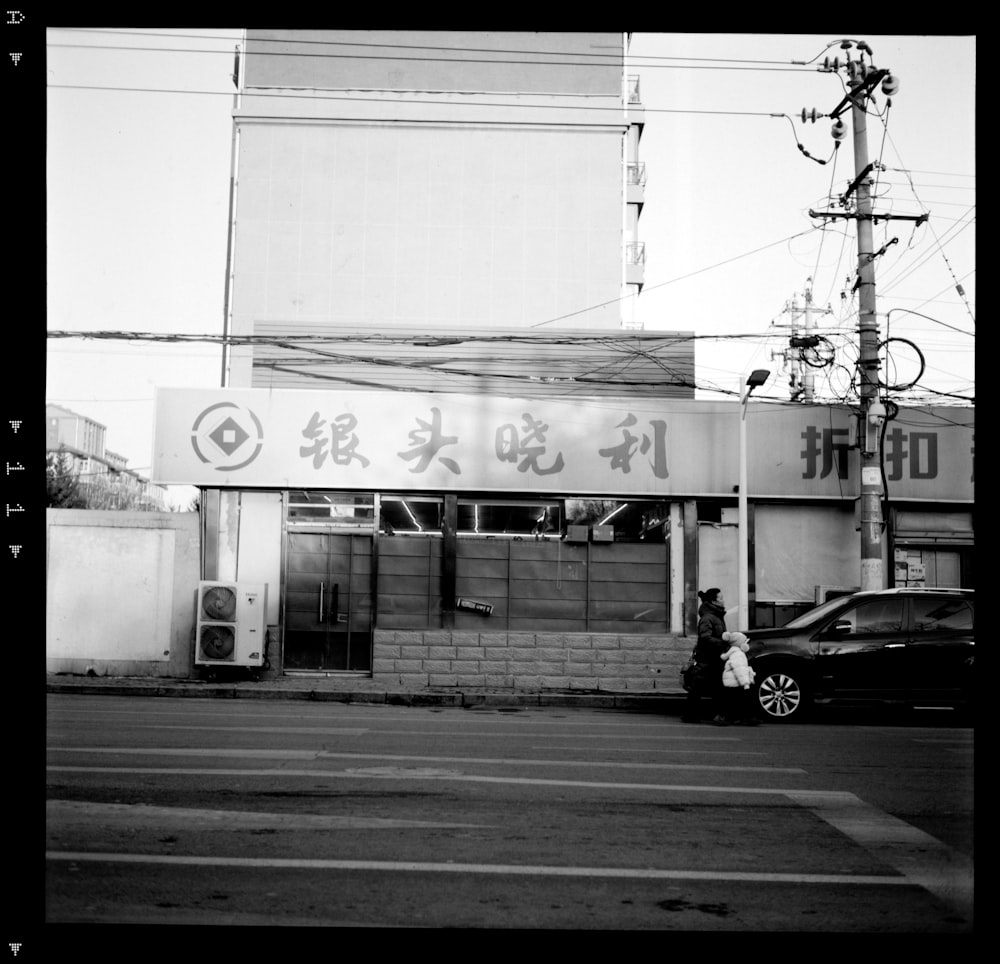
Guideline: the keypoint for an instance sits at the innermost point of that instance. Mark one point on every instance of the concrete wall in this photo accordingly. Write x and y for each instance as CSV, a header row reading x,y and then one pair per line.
x,y
532,661
436,60
120,592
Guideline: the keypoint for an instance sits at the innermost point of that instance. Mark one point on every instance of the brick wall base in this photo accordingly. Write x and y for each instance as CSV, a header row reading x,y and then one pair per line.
x,y
585,662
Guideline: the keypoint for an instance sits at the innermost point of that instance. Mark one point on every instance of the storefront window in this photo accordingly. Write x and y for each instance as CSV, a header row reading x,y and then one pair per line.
x,y
411,515
499,518
616,520
349,510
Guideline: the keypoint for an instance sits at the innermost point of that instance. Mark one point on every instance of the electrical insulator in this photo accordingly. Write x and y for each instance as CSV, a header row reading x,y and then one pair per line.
x,y
890,85
810,115
834,64
839,130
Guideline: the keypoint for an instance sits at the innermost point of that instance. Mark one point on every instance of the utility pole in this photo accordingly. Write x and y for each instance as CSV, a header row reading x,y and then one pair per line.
x,y
872,576
227,290
792,357
862,79
810,341
801,380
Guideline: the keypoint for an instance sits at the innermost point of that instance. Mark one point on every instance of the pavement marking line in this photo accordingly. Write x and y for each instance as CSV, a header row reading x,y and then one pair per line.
x,y
465,734
641,873
219,714
401,774
921,858
274,731
623,749
188,817
406,758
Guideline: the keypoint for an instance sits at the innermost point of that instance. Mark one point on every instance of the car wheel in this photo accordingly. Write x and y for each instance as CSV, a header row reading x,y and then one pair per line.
x,y
781,695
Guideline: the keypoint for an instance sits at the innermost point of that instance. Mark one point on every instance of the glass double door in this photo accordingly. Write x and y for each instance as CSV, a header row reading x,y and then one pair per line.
x,y
328,601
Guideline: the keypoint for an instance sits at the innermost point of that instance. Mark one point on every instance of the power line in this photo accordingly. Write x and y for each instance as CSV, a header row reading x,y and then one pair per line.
x,y
590,58
661,284
560,107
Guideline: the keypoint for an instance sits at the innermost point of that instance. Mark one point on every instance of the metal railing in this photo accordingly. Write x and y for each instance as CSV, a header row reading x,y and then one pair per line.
x,y
636,173
633,89
635,252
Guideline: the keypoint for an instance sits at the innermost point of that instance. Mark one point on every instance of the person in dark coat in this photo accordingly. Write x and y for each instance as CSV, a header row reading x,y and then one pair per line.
x,y
707,654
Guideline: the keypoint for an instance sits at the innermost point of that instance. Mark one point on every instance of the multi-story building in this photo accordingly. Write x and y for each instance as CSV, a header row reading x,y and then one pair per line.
x,y
104,477
428,179
66,428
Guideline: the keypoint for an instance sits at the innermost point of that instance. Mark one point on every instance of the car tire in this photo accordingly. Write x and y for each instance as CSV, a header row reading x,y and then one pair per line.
x,y
781,694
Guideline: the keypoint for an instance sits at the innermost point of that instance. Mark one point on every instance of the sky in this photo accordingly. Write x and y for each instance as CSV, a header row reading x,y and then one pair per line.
x,y
138,164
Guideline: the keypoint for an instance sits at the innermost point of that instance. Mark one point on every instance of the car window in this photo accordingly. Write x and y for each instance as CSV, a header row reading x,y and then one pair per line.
x,y
815,615
875,616
935,614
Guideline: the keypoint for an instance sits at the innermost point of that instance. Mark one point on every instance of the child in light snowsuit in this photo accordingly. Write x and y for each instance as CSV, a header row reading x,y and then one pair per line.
x,y
737,678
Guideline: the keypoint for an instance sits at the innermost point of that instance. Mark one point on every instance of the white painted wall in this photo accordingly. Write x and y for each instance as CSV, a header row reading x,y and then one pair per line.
x,y
718,565
120,592
259,557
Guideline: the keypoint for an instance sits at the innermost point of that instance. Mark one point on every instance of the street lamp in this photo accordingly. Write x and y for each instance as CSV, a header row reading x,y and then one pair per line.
x,y
756,378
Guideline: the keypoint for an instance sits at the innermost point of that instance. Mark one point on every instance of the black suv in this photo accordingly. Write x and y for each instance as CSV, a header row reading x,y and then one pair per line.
x,y
910,645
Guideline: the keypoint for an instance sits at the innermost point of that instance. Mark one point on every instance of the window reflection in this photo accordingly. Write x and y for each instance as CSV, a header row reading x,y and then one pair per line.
x,y
411,515
630,521
933,615
498,518
347,509
876,616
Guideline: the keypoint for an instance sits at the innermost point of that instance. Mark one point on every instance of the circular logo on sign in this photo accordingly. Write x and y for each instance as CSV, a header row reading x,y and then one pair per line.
x,y
227,436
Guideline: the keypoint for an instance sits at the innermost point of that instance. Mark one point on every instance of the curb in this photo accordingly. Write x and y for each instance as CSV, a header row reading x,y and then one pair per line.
x,y
464,699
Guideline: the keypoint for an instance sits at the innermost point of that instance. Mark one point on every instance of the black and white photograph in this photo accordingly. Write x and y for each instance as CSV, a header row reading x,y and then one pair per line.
x,y
505,481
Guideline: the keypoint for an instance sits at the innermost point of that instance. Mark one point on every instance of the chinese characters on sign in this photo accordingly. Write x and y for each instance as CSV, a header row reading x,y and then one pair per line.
x,y
426,448
621,455
342,441
647,447
911,455
524,446
916,452
509,448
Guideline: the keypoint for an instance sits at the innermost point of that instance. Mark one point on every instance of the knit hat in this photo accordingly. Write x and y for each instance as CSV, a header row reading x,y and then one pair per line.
x,y
737,639
709,595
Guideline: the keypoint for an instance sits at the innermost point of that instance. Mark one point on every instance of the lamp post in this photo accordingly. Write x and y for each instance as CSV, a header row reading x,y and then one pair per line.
x,y
755,379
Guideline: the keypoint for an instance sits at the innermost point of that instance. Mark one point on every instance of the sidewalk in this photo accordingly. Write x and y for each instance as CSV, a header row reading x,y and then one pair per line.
x,y
359,689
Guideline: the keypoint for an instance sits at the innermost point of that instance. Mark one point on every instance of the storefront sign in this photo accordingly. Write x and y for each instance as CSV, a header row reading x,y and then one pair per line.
x,y
405,441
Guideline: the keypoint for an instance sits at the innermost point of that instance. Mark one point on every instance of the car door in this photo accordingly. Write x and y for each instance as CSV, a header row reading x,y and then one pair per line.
x,y
941,645
861,651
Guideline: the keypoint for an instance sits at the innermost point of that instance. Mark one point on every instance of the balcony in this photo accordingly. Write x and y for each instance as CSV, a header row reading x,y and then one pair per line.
x,y
634,109
635,263
635,184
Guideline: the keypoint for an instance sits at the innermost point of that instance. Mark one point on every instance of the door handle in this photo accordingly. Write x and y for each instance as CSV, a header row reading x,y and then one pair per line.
x,y
321,602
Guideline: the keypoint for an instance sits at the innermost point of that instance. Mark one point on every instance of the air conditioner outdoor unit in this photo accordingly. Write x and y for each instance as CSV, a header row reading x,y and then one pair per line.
x,y
231,624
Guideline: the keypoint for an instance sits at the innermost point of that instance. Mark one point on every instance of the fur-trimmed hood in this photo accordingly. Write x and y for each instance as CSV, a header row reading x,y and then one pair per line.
x,y
737,671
